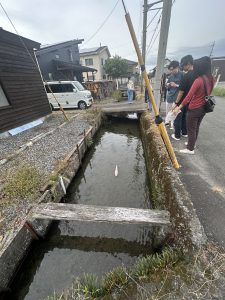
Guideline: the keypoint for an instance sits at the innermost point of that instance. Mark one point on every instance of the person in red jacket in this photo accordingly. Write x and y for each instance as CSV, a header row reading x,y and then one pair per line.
x,y
196,100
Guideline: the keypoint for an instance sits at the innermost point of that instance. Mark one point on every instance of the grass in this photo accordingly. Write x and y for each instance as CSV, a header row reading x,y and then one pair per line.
x,y
117,95
22,184
89,286
219,91
166,276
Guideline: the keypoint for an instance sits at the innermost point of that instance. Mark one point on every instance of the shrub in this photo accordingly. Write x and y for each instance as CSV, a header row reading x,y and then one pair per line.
x,y
219,91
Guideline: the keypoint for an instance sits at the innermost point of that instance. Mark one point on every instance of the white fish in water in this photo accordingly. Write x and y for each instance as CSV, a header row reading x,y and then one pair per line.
x,y
116,171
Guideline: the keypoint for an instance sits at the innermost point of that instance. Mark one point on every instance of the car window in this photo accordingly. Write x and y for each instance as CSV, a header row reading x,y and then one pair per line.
x,y
67,88
79,86
56,88
47,89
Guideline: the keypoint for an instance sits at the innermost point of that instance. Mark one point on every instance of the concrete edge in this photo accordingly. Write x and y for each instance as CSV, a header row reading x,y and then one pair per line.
x,y
168,190
14,247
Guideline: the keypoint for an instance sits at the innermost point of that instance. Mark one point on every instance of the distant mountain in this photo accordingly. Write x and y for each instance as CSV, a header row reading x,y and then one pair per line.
x,y
196,52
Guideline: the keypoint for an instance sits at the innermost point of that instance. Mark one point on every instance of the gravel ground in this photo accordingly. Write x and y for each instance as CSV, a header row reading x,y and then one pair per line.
x,y
9,144
44,155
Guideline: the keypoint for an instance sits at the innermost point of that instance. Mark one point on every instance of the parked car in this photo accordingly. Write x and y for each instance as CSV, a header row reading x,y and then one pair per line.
x,y
70,94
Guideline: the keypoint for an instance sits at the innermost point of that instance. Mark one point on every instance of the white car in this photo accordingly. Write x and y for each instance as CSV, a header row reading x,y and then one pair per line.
x,y
69,94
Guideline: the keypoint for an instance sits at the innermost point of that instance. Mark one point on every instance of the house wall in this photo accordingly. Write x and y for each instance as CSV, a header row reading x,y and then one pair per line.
x,y
21,82
97,64
219,63
47,66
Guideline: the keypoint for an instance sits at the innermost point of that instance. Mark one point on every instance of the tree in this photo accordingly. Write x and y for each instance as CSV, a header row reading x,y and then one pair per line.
x,y
116,67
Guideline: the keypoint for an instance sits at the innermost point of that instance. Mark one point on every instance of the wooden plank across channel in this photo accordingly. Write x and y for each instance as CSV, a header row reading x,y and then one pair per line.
x,y
90,213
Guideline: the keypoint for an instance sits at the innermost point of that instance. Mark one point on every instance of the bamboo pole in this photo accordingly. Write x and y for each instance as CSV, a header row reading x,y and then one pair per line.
x,y
158,119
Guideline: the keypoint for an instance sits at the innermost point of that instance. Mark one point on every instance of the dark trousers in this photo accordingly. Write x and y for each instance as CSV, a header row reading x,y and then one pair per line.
x,y
180,123
194,118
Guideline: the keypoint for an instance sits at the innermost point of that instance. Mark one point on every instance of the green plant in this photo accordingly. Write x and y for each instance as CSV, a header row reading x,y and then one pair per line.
x,y
89,286
118,277
117,95
219,91
89,142
23,183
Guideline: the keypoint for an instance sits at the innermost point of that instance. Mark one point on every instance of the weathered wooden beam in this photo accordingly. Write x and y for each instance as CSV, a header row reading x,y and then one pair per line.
x,y
131,109
88,213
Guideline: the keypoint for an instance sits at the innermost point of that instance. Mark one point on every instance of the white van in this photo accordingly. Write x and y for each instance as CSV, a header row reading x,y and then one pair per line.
x,y
70,94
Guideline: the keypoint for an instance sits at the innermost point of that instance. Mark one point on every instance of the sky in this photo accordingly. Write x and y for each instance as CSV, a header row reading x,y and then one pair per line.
x,y
194,25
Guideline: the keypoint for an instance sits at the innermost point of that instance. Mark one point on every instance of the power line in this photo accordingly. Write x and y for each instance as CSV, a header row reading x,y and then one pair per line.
x,y
157,25
153,18
100,27
22,41
149,45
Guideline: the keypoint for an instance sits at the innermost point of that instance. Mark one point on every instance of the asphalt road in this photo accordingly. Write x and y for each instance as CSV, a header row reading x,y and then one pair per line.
x,y
204,173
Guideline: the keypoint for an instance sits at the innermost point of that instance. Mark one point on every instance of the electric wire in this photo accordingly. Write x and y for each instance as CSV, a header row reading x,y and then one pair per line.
x,y
153,18
151,44
22,41
103,23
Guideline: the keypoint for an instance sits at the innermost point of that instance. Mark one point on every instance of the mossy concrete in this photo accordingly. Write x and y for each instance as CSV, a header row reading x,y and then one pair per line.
x,y
168,192
15,245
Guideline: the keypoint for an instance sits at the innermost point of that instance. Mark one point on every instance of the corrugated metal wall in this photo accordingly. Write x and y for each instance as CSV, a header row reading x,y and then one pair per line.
x,y
21,82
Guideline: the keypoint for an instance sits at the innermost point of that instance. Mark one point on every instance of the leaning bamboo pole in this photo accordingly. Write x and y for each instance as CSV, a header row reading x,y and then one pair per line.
x,y
158,119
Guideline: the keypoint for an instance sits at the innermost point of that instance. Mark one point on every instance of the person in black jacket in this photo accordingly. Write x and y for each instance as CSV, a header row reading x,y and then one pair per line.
x,y
187,65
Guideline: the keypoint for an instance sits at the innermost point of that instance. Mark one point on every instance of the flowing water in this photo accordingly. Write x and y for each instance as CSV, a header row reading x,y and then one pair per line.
x,y
74,248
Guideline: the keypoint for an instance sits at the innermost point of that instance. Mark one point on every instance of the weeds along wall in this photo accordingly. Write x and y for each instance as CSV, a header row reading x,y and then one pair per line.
x,y
168,192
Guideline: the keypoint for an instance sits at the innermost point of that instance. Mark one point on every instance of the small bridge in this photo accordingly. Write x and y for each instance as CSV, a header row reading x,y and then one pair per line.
x,y
124,107
91,213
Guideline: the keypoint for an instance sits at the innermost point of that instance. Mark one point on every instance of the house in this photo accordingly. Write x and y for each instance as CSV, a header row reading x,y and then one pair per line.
x,y
95,58
132,67
61,61
22,95
218,67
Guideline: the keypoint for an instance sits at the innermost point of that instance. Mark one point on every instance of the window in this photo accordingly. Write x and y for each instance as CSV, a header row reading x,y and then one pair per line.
x,y
102,61
56,88
67,88
70,55
79,86
3,99
88,61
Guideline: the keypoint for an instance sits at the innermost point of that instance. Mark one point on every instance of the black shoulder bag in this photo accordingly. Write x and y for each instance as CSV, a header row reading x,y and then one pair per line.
x,y
210,101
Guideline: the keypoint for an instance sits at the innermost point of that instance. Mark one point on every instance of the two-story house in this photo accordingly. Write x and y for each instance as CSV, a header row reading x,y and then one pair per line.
x,y
61,61
95,58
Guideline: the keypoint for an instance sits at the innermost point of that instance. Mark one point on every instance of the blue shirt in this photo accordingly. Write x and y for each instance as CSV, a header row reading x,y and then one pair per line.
x,y
173,91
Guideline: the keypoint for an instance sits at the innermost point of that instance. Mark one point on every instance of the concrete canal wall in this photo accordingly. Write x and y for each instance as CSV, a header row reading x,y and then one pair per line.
x,y
168,192
15,246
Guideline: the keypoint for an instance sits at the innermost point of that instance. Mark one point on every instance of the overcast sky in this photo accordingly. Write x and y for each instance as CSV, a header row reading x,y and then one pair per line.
x,y
195,24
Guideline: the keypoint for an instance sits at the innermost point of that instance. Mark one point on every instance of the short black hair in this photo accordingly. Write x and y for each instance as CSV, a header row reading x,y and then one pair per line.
x,y
188,59
174,64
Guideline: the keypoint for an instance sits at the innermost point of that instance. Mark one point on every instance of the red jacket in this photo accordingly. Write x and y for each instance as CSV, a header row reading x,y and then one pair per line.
x,y
196,95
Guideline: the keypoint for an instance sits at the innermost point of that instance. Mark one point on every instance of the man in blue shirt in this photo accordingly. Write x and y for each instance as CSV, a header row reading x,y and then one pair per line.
x,y
172,84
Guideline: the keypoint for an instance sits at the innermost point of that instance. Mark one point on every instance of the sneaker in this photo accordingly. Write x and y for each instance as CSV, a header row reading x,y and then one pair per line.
x,y
187,151
173,136
184,135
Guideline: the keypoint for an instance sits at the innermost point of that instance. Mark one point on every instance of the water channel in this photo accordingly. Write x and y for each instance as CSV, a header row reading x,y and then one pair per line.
x,y
73,248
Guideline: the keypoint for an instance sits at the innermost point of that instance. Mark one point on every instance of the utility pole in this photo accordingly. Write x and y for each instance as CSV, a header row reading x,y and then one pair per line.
x,y
145,16
211,52
147,7
164,30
